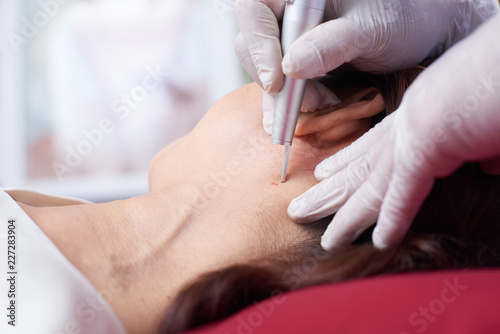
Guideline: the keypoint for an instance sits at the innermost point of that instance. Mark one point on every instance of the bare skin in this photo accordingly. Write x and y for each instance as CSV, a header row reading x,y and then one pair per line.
x,y
212,204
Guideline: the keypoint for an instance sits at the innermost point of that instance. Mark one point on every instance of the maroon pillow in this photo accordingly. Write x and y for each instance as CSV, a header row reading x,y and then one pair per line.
x,y
432,302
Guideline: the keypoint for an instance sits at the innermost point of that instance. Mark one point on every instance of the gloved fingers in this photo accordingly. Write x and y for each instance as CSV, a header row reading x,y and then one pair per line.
x,y
324,48
241,50
376,137
268,112
358,213
363,207
491,167
258,21
405,195
318,96
328,196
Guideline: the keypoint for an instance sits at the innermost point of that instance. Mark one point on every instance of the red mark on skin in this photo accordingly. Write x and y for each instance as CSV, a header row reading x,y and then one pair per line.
x,y
274,184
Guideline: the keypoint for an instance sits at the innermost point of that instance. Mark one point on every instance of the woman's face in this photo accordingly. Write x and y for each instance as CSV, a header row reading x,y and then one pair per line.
x,y
229,162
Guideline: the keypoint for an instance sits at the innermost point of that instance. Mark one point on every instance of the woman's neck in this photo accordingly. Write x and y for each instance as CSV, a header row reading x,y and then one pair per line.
x,y
127,249
139,252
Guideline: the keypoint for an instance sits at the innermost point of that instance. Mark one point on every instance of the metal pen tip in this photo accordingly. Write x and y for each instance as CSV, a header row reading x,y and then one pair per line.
x,y
284,166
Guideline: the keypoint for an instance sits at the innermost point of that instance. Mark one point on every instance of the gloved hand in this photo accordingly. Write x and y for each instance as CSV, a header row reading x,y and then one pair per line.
x,y
449,116
372,35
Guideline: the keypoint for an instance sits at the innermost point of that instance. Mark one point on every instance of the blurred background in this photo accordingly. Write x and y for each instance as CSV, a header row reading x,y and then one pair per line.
x,y
90,90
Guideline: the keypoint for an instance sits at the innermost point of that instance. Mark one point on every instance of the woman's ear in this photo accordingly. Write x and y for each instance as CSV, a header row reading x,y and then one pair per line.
x,y
345,121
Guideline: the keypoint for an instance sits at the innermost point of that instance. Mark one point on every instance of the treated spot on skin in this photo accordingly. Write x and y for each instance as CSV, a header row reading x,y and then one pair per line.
x,y
274,184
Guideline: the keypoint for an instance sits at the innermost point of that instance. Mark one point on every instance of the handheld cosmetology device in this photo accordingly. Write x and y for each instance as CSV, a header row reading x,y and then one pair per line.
x,y
300,16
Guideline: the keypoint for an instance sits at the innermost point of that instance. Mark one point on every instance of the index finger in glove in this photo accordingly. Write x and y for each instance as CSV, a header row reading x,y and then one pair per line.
x,y
258,21
329,195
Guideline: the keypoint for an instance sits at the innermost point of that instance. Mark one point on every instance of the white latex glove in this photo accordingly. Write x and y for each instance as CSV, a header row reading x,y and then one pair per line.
x,y
371,35
449,116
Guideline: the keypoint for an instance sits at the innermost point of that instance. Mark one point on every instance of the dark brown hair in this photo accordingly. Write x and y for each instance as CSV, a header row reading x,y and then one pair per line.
x,y
457,227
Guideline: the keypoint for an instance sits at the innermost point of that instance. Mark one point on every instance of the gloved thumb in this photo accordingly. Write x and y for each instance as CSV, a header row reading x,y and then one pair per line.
x,y
268,111
324,48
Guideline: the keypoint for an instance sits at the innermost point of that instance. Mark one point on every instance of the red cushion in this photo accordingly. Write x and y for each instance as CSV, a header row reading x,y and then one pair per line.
x,y
435,302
